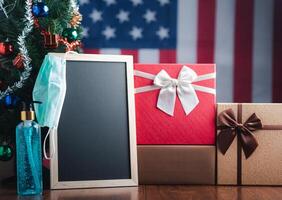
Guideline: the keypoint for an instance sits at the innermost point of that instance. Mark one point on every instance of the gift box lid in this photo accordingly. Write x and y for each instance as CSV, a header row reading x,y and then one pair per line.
x,y
175,103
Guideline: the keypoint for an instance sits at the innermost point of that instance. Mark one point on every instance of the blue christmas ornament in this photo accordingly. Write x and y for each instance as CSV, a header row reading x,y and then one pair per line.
x,y
40,9
10,101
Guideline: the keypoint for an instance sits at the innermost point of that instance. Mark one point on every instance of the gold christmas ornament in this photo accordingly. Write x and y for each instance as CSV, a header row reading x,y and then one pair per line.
x,y
76,19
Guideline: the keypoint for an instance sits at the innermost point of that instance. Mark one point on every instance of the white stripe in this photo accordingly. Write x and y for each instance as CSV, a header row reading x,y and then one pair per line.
x,y
187,24
204,89
224,49
205,77
147,88
152,76
144,74
149,56
110,51
262,51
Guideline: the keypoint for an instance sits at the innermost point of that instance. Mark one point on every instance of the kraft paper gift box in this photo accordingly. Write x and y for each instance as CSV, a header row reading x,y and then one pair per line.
x,y
249,144
175,104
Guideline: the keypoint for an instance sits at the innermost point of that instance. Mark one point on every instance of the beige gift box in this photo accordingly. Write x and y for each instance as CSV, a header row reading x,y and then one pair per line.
x,y
264,165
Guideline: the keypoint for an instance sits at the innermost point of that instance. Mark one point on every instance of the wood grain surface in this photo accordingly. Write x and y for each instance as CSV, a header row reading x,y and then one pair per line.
x,y
154,192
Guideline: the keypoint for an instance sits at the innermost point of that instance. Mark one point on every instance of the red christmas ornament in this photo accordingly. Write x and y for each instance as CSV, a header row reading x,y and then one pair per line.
x,y
51,41
18,61
36,23
6,48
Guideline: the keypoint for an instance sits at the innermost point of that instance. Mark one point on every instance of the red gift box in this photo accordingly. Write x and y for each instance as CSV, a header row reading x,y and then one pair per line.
x,y
191,120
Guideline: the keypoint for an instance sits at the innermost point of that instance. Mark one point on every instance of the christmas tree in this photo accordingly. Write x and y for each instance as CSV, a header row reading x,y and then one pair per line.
x,y
28,31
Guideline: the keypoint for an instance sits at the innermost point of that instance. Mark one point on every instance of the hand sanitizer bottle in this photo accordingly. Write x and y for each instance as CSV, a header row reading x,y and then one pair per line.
x,y
28,147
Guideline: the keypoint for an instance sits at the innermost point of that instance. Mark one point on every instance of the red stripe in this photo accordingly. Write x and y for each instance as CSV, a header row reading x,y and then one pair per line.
x,y
243,50
134,53
91,51
167,56
206,31
277,53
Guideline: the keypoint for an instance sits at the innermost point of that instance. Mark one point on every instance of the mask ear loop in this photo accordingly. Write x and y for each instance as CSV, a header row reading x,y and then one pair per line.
x,y
69,52
52,144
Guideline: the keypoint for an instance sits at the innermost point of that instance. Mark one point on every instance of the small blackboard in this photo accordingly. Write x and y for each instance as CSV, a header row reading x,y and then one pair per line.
x,y
96,137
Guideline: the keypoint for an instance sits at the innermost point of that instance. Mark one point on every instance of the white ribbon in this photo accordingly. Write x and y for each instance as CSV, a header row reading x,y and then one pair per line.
x,y
170,87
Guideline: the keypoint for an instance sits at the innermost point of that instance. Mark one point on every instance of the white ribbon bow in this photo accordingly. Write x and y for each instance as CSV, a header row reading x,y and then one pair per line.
x,y
181,86
170,87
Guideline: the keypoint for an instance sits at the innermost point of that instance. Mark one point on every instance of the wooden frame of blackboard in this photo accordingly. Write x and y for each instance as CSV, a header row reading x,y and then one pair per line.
x,y
133,181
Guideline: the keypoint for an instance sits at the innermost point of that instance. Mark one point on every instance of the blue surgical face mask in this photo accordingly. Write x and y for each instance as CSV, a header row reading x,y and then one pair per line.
x,y
50,89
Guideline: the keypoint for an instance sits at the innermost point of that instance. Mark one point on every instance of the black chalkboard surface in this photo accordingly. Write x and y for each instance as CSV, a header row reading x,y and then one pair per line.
x,y
94,141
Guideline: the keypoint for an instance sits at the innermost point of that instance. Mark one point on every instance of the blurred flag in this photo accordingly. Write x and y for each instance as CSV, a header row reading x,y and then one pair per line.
x,y
243,37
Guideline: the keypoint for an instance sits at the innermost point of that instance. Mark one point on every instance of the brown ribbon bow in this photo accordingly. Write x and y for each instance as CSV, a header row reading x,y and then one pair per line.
x,y
230,127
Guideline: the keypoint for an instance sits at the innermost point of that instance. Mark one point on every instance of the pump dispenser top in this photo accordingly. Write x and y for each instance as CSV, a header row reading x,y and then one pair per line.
x,y
27,111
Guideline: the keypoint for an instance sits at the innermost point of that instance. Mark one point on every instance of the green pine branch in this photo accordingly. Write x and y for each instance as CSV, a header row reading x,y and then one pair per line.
x,y
58,19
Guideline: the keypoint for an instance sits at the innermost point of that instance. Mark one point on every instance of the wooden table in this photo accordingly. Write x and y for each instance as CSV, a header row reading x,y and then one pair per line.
x,y
153,192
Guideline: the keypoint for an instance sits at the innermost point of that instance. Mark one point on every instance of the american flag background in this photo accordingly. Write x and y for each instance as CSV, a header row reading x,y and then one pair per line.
x,y
243,38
